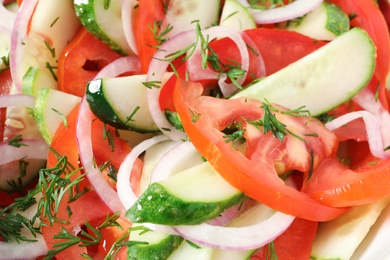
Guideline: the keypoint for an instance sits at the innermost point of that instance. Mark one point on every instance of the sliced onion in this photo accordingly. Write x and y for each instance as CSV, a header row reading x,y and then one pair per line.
x,y
261,71
157,68
194,67
367,101
287,12
127,20
373,129
125,192
120,66
267,226
18,37
17,100
181,157
7,19
31,149
83,133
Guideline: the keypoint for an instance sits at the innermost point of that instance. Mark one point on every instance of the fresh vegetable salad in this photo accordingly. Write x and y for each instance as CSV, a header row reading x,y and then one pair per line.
x,y
192,129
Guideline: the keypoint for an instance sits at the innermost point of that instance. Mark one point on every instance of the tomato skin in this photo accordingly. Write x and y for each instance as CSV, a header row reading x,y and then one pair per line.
x,y
336,185
5,87
148,12
240,171
81,60
65,143
294,244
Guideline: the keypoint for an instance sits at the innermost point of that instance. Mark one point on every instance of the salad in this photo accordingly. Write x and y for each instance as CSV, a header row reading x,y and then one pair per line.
x,y
193,129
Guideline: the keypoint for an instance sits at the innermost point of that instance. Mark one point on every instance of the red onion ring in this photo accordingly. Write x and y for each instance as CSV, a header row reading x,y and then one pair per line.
x,y
7,19
127,17
126,194
373,128
157,69
18,36
32,149
367,101
261,71
268,225
194,67
120,66
83,133
17,100
284,13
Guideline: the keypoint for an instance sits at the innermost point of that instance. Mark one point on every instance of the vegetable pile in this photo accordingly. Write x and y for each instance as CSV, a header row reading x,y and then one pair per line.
x,y
171,129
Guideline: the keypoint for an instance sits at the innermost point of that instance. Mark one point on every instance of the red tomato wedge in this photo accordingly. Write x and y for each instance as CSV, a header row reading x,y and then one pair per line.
x,y
204,118
81,60
294,244
65,144
336,185
149,14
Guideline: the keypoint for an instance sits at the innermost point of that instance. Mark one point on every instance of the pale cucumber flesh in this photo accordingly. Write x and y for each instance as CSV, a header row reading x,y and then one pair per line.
x,y
322,80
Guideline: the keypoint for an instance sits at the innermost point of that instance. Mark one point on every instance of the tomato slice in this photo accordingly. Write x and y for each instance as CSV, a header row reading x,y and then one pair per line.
x,y
295,243
335,184
205,117
81,60
5,87
65,143
148,15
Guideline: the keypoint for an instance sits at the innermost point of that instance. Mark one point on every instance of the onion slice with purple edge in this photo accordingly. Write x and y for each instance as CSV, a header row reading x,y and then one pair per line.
x,y
30,149
160,62
18,37
283,13
373,129
125,192
195,67
262,225
127,17
367,101
120,66
21,100
83,133
7,19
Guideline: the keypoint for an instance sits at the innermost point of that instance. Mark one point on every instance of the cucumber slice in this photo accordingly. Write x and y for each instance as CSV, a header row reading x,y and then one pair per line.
x,y
53,25
339,238
323,79
50,109
190,252
181,14
326,22
189,197
147,244
36,79
121,102
103,19
236,16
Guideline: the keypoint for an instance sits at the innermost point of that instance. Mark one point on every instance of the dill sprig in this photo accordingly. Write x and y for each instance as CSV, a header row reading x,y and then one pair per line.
x,y
16,141
270,123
